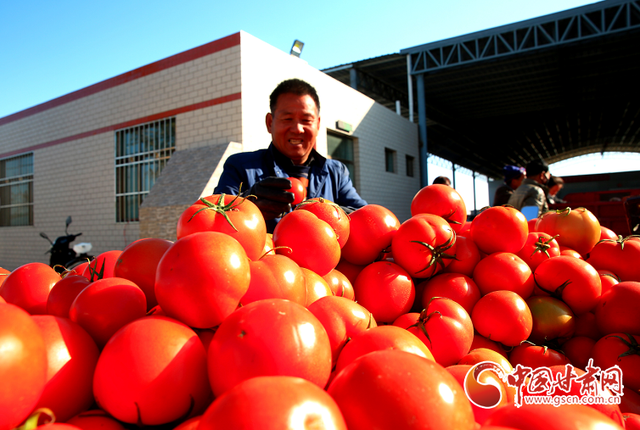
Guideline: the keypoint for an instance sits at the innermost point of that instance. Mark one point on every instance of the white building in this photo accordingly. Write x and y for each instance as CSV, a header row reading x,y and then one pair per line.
x,y
96,153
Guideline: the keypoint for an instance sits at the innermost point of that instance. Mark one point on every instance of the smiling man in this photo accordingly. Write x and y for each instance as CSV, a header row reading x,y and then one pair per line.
x,y
294,122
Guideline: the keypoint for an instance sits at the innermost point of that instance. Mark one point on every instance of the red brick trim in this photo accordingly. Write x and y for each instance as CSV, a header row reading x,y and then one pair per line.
x,y
131,123
174,60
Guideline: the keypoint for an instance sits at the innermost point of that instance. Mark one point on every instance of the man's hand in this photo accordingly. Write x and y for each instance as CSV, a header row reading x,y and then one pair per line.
x,y
271,197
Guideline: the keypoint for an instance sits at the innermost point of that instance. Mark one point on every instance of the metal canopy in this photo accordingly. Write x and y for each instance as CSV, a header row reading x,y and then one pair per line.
x,y
553,87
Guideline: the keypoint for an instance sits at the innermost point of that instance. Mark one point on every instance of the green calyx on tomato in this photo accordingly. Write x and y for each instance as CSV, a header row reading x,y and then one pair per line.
x,y
220,208
632,343
620,240
438,253
422,321
543,246
557,293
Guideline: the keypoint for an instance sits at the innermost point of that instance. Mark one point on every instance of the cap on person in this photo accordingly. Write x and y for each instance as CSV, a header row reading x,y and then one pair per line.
x,y
512,172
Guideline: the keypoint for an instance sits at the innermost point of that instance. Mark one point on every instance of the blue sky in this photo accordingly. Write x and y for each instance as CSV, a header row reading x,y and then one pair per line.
x,y
51,48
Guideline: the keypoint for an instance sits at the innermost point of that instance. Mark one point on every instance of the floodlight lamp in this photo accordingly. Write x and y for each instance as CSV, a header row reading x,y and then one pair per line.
x,y
296,49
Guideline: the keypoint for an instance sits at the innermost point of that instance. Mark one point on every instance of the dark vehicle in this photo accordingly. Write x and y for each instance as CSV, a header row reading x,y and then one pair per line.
x,y
62,255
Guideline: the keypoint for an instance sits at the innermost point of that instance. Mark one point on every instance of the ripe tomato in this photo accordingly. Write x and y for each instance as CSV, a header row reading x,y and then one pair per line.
x,y
607,233
577,229
538,248
467,255
564,417
534,356
275,276
386,289
393,389
478,355
103,266
499,229
379,338
315,286
106,305
71,357
28,287
441,200
235,216
139,262
307,240
201,278
153,371
371,230
343,319
608,279
298,189
622,350
586,325
552,319
619,256
424,245
578,350
332,214
503,316
571,280
292,338
504,271
340,285
63,293
23,365
480,341
458,287
3,275
95,419
617,310
275,403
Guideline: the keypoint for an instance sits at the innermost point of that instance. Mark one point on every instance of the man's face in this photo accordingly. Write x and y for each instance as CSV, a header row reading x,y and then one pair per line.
x,y
294,126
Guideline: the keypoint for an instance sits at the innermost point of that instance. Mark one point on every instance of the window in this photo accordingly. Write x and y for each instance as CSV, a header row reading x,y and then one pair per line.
x,y
141,154
410,162
16,191
390,160
340,148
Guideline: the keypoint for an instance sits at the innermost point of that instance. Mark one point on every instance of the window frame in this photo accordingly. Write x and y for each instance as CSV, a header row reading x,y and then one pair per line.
x,y
390,160
17,180
353,175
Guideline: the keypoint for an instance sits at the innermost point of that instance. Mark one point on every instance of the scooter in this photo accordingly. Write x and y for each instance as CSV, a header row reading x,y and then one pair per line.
x,y
62,255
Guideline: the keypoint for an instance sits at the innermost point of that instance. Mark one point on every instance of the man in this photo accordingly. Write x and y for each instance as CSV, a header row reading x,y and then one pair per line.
x,y
513,177
533,191
293,122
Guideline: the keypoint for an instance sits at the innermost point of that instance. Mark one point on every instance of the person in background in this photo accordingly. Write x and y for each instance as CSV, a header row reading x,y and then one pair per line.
x,y
293,122
555,184
442,180
533,190
513,177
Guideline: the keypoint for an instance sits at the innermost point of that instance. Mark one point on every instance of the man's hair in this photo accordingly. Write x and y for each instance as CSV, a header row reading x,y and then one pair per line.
x,y
536,167
293,86
442,180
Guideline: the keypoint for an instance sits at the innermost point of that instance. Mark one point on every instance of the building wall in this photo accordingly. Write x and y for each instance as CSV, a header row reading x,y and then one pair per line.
x,y
219,95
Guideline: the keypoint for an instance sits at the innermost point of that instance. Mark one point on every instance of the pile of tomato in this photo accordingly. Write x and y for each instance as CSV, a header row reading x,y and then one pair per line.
x,y
334,321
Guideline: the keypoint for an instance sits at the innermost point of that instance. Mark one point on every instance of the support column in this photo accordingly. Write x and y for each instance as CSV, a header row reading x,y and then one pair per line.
x,y
422,126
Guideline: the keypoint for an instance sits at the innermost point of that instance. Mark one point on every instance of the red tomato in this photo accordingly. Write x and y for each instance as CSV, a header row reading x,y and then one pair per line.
x,y
444,326
308,241
631,421
550,417
235,216
577,229
570,252
340,285
371,230
458,287
504,271
332,214
138,263
316,287
28,287
103,266
534,356
201,278
586,325
607,233
276,276
3,275
424,245
95,419
441,200
552,319
386,289
106,305
292,337
63,293
275,403
608,280
538,248
617,310
71,356
499,229
467,256
381,338
478,355
578,350
343,319
298,189
480,341
503,316
23,365
393,389
622,350
571,280
618,256
153,371
350,270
